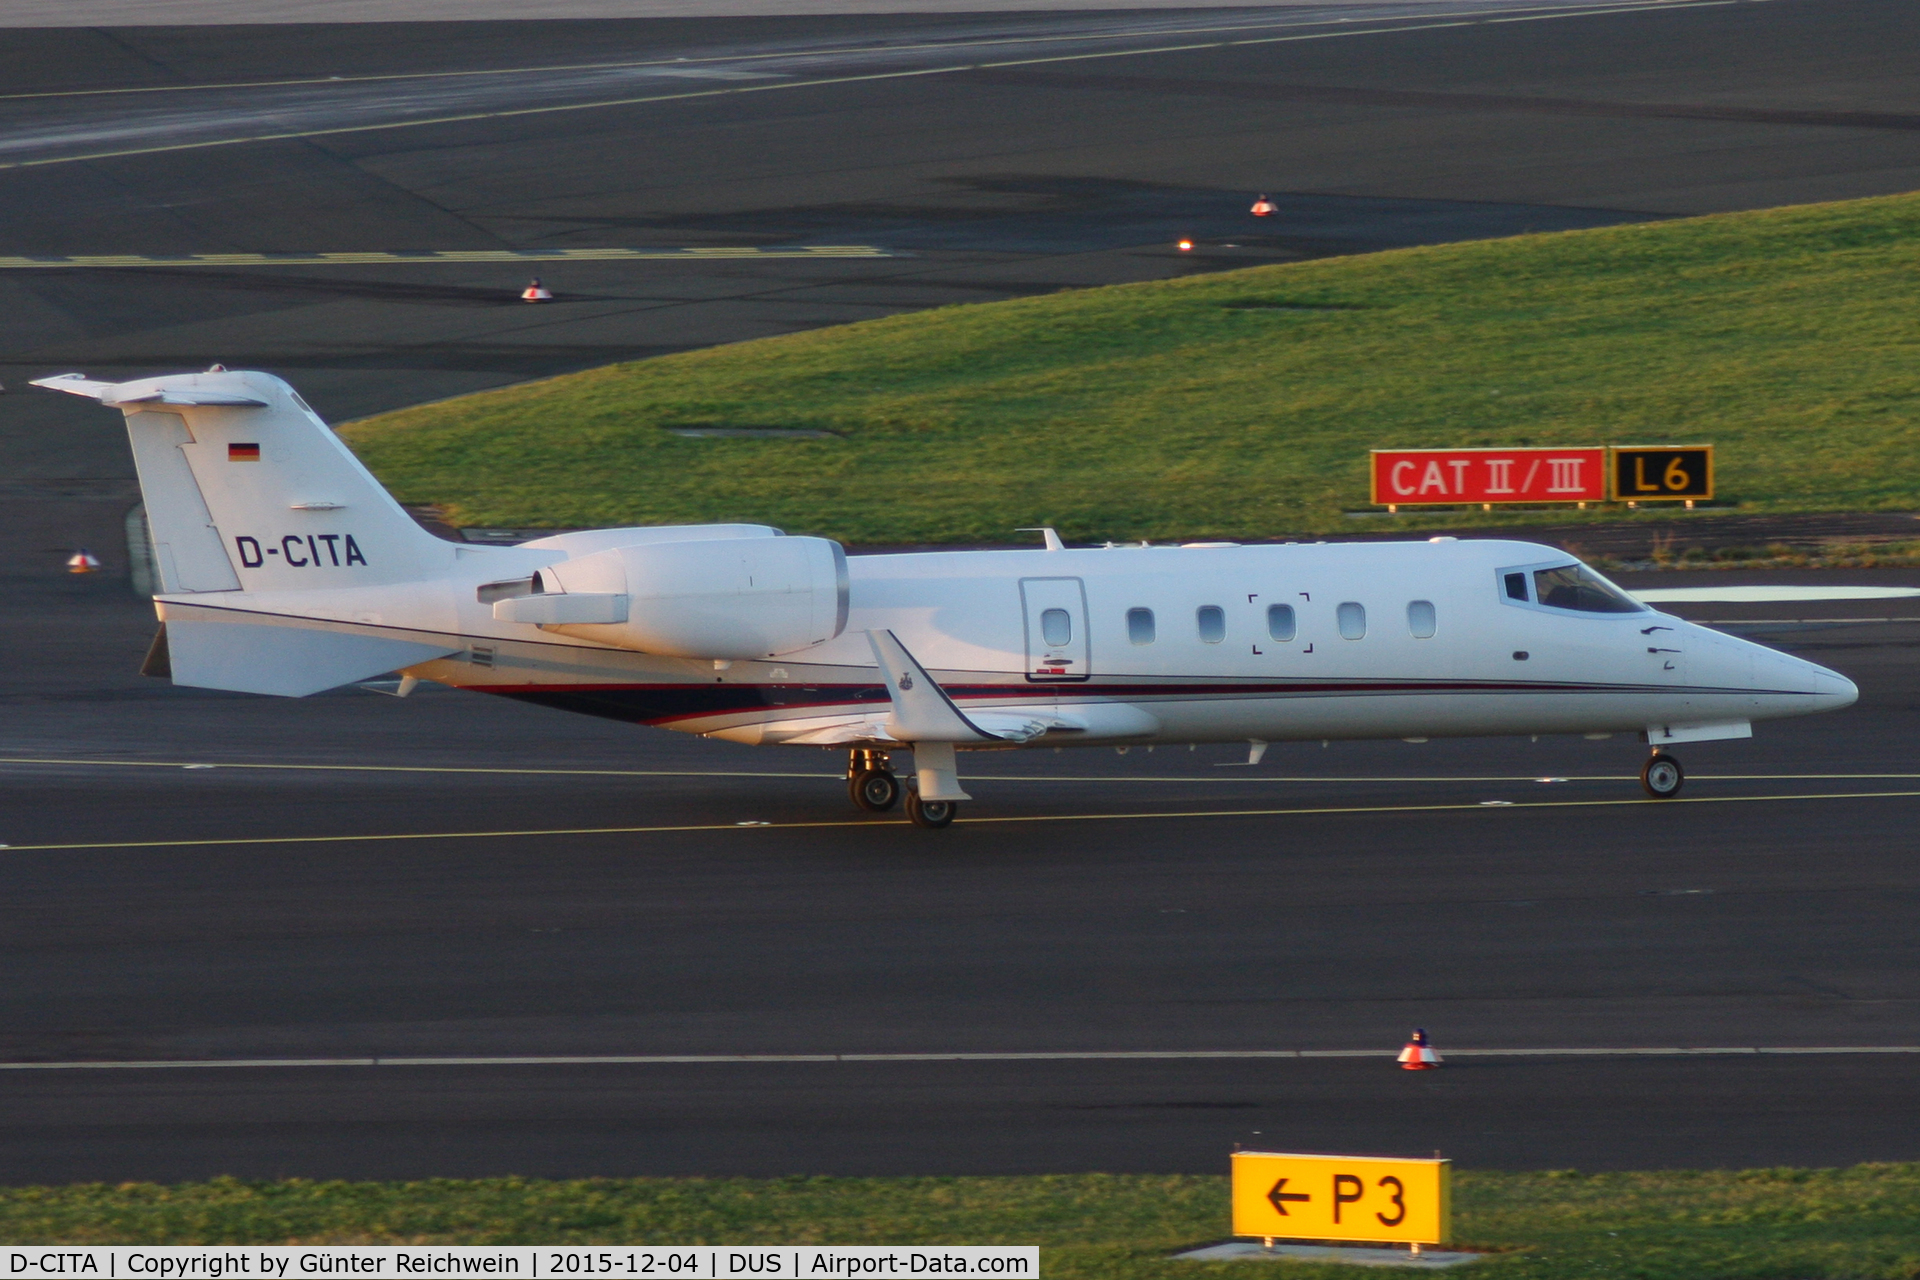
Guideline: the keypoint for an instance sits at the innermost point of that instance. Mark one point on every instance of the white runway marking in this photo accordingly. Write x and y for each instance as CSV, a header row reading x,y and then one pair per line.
x,y
1093,1055
869,77
115,13
1768,594
1124,779
685,65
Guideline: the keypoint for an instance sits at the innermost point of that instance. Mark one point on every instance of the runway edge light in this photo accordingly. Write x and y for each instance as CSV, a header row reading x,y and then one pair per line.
x,y
1285,1195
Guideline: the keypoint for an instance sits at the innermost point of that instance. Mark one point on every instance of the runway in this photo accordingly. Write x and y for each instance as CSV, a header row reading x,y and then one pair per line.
x,y
457,881
219,881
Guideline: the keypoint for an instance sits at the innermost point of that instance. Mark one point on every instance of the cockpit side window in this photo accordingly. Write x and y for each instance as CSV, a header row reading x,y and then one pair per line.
x,y
1574,586
1563,588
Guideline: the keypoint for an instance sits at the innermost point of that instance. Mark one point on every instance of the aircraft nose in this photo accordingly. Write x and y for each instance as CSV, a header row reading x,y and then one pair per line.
x,y
1811,685
1834,690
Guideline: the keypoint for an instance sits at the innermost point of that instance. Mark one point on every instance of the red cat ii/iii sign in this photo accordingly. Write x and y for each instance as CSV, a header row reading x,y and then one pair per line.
x,y
1417,477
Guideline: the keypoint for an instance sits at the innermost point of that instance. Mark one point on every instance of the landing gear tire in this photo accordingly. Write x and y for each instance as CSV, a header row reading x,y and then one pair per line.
x,y
874,790
932,814
1663,777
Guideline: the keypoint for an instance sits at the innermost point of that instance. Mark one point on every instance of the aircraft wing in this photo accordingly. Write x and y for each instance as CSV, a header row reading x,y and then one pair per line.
x,y
1008,724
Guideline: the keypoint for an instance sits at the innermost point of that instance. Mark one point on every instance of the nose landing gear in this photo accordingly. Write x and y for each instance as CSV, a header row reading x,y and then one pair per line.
x,y
1663,777
871,781
929,813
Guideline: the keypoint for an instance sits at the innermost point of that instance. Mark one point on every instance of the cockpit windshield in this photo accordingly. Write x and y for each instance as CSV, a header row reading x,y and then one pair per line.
x,y
1575,586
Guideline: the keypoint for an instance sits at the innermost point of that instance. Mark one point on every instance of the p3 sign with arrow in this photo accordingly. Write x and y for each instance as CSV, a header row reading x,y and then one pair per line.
x,y
1312,1197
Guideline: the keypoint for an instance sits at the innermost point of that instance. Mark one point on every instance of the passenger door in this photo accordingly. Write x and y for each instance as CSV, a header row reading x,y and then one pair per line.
x,y
1056,625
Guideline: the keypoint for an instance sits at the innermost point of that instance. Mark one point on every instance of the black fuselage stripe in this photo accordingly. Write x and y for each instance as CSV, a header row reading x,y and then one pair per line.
x,y
664,703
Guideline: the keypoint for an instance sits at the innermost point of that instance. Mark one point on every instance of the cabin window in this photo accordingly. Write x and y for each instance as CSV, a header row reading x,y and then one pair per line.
x,y
1421,620
1056,627
1353,620
1575,586
1212,620
1140,626
1517,587
1280,623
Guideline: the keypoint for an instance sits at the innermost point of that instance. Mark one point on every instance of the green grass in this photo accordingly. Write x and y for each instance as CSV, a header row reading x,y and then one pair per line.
x,y
1793,1224
1239,404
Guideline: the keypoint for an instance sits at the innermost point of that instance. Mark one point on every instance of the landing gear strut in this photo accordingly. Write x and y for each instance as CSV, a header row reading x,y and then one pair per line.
x,y
870,780
1663,777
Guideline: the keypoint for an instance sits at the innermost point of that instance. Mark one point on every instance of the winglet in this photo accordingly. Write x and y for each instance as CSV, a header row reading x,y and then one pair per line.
x,y
922,711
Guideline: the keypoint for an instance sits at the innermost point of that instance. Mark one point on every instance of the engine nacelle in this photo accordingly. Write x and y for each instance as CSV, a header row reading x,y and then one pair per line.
x,y
737,598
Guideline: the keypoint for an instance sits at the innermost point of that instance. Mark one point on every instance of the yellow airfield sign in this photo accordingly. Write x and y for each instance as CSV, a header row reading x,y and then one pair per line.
x,y
1341,1197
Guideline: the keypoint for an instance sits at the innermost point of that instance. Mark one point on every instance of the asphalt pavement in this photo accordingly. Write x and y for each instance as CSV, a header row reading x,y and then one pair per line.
x,y
221,879
361,878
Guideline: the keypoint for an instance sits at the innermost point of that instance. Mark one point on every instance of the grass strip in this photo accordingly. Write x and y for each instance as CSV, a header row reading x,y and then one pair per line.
x,y
1762,1224
1237,404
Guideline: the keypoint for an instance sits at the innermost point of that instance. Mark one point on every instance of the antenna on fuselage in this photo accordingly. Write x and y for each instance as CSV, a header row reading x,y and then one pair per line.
x,y
1047,534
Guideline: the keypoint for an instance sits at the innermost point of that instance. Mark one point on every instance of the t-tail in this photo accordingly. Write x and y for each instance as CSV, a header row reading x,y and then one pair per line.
x,y
274,548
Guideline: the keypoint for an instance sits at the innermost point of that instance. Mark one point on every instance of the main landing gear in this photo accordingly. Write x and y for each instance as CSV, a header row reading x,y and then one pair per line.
x,y
871,782
874,787
1663,777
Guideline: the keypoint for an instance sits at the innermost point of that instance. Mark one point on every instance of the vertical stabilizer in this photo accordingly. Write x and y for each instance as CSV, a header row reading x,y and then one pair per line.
x,y
188,552
247,489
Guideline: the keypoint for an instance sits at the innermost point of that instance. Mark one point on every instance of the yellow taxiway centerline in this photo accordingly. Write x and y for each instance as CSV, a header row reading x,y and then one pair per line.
x,y
679,828
975,777
510,113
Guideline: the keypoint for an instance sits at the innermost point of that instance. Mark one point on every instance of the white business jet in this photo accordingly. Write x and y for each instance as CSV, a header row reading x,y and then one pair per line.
x,y
284,568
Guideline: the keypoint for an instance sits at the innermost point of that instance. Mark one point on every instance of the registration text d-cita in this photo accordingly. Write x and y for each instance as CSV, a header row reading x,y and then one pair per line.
x,y
522,1262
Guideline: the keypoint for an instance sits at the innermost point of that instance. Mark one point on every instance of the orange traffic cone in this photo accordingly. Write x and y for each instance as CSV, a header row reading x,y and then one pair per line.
x,y
83,561
1263,208
535,292
1419,1055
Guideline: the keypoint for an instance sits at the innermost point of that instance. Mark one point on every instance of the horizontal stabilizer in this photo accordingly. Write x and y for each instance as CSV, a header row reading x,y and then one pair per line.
x,y
290,662
110,393
191,397
78,384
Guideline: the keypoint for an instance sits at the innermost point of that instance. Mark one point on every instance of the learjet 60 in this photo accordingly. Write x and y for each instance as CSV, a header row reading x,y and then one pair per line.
x,y
284,568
